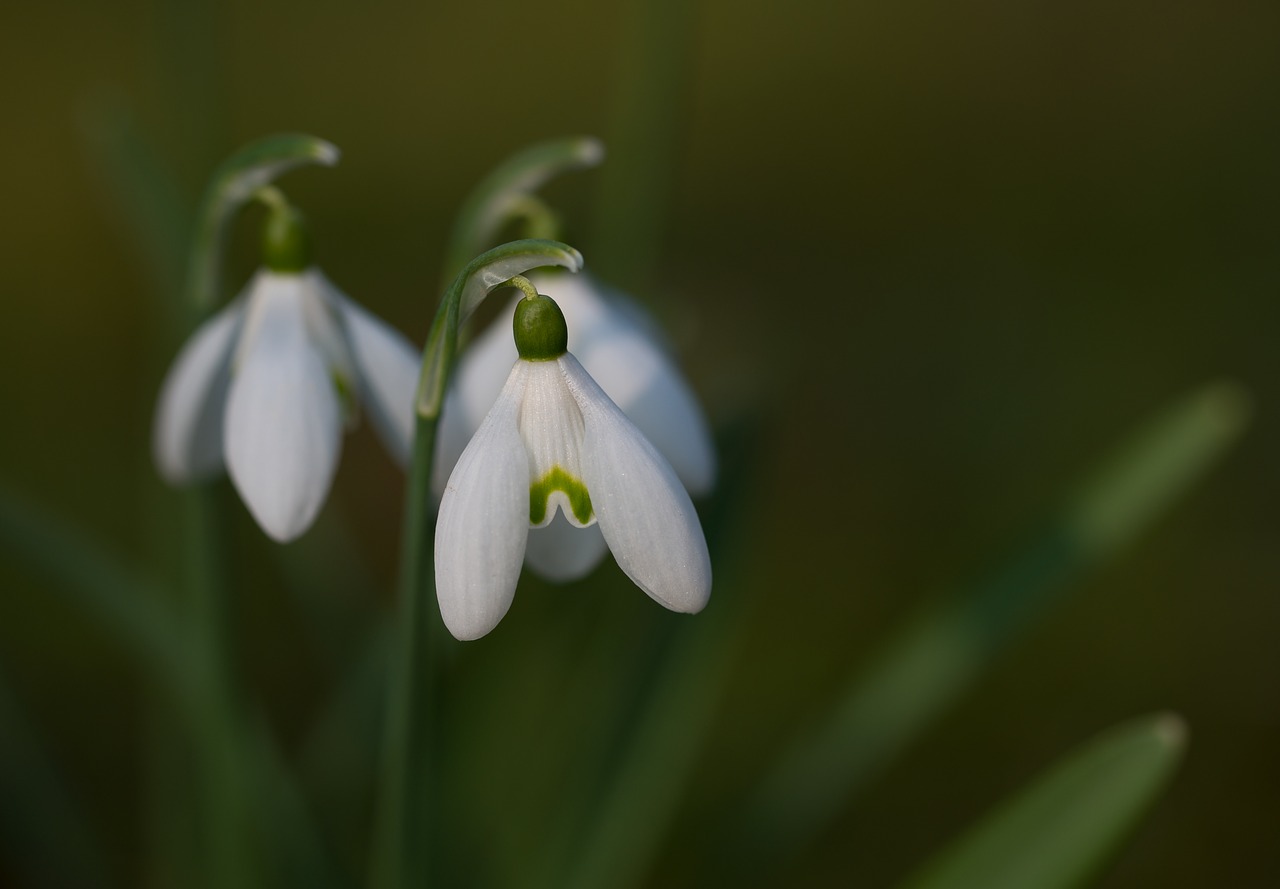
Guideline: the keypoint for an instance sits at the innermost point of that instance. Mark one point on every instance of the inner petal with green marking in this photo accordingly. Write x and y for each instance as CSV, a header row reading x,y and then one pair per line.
x,y
560,488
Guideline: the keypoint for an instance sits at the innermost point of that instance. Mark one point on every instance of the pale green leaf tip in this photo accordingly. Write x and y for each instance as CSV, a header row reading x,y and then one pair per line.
x,y
325,153
590,151
1226,406
575,262
1171,730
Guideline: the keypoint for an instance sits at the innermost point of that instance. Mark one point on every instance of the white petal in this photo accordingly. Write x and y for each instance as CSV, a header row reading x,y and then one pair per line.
x,y
186,438
484,521
618,345
387,368
647,386
645,514
561,552
479,377
283,429
327,326
551,428
453,433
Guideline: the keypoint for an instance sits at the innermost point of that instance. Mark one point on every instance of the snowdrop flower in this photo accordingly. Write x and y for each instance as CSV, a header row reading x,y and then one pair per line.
x,y
265,386
619,349
554,442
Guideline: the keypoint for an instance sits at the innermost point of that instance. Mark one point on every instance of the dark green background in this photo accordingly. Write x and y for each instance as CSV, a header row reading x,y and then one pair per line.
x,y
943,254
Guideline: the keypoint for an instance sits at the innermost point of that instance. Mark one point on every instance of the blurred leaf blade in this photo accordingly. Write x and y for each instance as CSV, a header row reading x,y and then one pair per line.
x,y
142,190
645,783
129,607
1150,472
941,652
1061,829
42,825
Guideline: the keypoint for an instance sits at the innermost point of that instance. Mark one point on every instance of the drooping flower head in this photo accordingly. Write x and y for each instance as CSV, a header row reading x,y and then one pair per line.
x,y
620,349
265,386
555,444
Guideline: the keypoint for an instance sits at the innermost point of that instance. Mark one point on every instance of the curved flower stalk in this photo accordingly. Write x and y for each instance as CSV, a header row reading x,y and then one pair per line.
x,y
265,386
508,194
615,344
406,788
554,442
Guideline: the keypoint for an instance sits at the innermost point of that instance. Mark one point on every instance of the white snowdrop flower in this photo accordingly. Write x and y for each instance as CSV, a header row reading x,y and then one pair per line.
x,y
555,443
264,387
619,349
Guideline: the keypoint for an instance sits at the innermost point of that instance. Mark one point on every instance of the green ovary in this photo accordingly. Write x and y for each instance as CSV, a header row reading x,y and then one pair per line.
x,y
559,480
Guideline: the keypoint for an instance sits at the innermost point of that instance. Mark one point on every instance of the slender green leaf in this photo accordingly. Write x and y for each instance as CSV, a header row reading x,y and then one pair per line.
x,y
43,831
943,650
1058,832
143,191
637,797
650,112
133,610
285,823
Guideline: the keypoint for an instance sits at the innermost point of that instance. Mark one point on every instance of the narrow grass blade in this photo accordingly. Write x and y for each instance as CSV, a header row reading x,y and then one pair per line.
x,y
627,815
647,131
131,609
142,191
43,832
939,654
285,823
1058,832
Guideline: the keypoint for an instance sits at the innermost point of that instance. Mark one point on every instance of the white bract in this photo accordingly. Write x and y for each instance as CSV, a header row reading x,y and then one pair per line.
x,y
555,446
264,388
618,347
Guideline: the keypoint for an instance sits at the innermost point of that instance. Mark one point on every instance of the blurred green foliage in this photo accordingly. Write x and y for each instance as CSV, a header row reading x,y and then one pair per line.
x,y
942,256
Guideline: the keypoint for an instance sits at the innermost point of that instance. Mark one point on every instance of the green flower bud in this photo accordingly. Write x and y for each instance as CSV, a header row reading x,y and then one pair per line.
x,y
540,331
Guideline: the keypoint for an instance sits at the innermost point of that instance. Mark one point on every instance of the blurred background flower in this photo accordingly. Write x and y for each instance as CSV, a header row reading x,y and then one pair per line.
x,y
939,258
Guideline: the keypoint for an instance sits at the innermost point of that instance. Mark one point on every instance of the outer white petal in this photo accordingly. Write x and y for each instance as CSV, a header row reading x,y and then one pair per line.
x,y
645,514
484,521
387,367
651,392
482,370
283,428
624,355
186,438
561,552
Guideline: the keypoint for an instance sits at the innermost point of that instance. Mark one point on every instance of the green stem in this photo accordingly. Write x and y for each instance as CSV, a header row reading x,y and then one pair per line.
x,y
648,108
249,169
402,830
401,853
218,713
